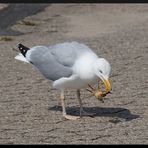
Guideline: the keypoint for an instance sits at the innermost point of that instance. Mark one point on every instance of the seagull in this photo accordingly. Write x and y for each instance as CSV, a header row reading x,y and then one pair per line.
x,y
68,65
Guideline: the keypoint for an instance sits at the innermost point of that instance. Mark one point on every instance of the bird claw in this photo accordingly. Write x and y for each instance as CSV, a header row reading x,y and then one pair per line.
x,y
70,117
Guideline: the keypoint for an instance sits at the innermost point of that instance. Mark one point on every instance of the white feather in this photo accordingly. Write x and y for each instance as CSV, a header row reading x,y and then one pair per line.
x,y
20,57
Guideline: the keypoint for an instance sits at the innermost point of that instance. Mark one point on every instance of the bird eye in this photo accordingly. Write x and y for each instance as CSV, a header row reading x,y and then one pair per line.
x,y
100,71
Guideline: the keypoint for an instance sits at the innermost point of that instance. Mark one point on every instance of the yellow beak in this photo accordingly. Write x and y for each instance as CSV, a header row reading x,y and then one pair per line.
x,y
107,85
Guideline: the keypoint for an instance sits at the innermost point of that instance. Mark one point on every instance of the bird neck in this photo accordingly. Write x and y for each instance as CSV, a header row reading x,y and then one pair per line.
x,y
84,66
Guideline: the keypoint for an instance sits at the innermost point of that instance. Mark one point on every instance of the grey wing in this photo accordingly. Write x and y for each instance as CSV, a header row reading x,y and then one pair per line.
x,y
67,53
48,65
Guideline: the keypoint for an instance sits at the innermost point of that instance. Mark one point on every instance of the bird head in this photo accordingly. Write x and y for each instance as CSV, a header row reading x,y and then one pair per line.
x,y
102,70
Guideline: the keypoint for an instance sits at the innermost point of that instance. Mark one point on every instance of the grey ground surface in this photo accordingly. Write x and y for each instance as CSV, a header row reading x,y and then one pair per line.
x,y
28,105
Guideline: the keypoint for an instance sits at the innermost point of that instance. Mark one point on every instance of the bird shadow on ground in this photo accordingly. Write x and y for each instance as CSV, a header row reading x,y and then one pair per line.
x,y
117,113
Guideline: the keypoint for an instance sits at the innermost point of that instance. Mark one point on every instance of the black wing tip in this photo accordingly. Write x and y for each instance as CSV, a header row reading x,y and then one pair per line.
x,y
23,49
19,45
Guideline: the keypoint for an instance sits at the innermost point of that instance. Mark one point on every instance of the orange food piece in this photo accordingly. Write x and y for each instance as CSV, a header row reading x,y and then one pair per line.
x,y
99,94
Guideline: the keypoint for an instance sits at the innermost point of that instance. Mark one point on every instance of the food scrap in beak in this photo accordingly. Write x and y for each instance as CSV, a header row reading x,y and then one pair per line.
x,y
99,94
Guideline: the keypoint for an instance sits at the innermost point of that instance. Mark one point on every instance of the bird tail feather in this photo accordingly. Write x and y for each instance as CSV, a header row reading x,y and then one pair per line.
x,y
20,57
